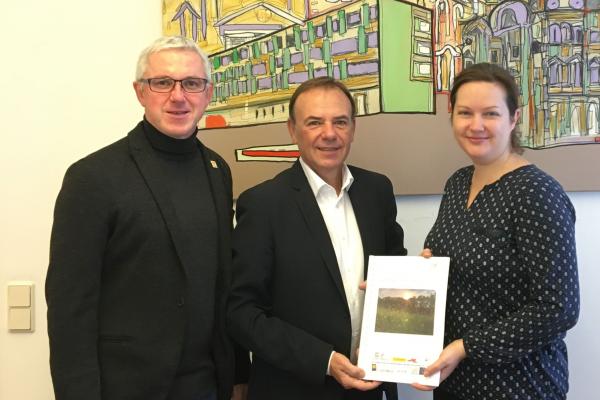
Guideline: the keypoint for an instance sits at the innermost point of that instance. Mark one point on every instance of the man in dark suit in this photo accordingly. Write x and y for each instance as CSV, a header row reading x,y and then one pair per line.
x,y
140,256
301,246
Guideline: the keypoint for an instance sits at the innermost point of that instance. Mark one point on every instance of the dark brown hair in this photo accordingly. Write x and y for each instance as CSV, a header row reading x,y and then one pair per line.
x,y
486,72
321,83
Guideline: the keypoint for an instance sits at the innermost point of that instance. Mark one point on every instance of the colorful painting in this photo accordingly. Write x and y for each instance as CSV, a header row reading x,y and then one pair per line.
x,y
396,57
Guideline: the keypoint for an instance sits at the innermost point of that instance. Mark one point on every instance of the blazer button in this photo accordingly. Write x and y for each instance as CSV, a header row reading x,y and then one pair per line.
x,y
180,302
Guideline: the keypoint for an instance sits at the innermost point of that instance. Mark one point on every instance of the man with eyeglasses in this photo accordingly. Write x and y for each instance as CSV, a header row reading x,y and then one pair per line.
x,y
140,252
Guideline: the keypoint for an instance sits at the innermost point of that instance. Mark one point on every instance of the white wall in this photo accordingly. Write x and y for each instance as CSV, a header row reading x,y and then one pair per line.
x,y
65,87
65,90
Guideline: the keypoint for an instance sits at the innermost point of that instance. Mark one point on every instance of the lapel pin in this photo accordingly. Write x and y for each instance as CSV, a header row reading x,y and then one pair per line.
x,y
214,164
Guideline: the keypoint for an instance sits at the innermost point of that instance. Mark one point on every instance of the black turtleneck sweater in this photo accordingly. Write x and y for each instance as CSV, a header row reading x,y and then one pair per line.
x,y
186,178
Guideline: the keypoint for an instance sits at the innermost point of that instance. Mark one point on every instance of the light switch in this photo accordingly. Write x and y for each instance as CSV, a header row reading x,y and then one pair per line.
x,y
20,306
19,296
19,319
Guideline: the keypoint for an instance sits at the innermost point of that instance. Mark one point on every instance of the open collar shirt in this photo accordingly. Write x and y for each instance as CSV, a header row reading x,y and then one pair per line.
x,y
340,220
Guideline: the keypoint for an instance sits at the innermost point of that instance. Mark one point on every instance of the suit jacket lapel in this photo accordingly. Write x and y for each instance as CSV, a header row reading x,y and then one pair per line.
x,y
141,151
361,206
222,199
316,224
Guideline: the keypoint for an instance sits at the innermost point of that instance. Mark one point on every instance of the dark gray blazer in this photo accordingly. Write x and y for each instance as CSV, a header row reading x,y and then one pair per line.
x,y
288,304
117,276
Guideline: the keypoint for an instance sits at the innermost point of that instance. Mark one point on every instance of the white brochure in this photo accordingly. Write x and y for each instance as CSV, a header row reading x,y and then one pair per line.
x,y
403,318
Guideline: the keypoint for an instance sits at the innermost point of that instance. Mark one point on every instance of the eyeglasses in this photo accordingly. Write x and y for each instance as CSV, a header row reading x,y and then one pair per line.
x,y
165,85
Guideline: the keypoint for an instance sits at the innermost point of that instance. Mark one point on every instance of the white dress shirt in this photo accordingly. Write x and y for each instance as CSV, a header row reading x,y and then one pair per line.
x,y
343,231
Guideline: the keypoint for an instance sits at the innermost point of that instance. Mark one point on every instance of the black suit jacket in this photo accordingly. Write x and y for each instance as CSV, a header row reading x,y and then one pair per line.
x,y
117,276
287,303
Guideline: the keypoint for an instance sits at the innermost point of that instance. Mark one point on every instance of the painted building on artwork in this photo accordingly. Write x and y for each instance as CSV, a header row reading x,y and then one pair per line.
x,y
552,49
566,103
381,50
221,24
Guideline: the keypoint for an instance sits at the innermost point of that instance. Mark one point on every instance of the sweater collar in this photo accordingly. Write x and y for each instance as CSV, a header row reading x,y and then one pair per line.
x,y
161,142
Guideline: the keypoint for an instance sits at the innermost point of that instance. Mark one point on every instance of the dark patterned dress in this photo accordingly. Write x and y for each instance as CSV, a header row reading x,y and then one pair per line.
x,y
513,288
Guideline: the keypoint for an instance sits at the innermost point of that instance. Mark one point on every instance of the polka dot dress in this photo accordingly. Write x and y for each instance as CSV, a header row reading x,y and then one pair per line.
x,y
513,288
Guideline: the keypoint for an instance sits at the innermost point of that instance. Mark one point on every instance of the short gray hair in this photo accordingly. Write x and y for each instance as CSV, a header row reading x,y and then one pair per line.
x,y
170,43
